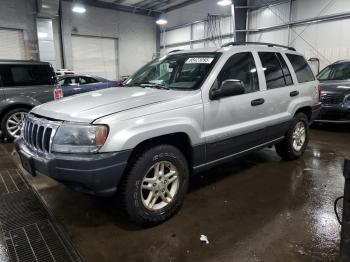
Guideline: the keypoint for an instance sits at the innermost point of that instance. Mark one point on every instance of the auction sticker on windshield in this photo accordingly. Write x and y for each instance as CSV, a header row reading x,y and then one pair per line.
x,y
199,60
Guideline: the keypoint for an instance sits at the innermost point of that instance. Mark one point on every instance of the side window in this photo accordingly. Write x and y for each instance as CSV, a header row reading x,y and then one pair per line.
x,y
22,75
272,69
285,69
27,75
70,81
242,67
86,80
301,68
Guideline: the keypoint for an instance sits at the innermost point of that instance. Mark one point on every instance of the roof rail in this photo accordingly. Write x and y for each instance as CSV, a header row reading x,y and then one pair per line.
x,y
176,50
258,43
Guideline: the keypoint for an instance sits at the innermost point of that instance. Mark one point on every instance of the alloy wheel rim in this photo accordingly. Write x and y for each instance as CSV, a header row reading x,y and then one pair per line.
x,y
14,124
160,185
299,136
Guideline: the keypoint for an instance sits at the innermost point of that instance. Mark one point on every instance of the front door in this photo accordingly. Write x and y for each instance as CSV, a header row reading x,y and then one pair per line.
x,y
235,124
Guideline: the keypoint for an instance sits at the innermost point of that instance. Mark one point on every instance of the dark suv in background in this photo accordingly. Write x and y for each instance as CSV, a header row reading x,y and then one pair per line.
x,y
335,98
23,85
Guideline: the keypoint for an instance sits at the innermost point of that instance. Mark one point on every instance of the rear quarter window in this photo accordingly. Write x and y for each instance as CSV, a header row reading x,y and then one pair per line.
x,y
301,68
27,75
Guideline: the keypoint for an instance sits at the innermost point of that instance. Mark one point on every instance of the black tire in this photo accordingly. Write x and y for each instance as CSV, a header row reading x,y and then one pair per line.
x,y
4,130
130,190
285,148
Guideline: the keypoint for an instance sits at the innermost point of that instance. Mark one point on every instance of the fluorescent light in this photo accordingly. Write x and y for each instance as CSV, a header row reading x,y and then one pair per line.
x,y
42,34
45,6
224,2
79,9
161,21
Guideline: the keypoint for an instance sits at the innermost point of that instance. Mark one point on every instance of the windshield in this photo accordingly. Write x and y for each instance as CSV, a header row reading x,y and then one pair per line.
x,y
335,72
181,71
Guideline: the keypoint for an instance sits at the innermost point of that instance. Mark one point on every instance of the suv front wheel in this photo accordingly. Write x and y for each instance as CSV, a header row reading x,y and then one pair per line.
x,y
156,185
296,139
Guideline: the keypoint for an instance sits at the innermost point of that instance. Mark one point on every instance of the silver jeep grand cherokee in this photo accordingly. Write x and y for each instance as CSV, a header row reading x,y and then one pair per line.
x,y
176,116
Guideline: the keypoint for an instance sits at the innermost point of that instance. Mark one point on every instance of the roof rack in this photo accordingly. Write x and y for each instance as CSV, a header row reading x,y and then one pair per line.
x,y
258,43
176,50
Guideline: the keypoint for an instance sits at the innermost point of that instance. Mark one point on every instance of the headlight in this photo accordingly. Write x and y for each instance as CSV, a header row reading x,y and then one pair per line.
x,y
75,138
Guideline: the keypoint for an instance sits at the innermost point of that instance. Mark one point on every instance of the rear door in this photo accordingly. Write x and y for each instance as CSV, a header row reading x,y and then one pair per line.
x,y
279,92
307,85
33,83
236,123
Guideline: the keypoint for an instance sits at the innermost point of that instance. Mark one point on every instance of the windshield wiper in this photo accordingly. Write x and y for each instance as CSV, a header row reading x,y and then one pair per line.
x,y
153,85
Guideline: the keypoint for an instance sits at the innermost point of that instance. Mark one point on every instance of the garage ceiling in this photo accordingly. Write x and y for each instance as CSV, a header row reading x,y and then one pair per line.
x,y
154,6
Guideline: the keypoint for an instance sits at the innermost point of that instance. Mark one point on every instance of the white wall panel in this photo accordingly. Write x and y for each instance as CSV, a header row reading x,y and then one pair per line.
x,y
276,36
226,25
264,17
198,31
327,41
198,45
178,35
303,9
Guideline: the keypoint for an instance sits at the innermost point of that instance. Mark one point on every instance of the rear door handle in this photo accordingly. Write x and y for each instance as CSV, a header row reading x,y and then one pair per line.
x,y
294,93
258,102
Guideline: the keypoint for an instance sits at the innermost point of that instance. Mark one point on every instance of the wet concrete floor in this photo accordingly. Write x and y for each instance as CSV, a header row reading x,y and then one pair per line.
x,y
256,208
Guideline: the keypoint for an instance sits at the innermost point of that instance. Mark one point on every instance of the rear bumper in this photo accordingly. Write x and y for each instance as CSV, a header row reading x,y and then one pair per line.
x,y
334,114
96,174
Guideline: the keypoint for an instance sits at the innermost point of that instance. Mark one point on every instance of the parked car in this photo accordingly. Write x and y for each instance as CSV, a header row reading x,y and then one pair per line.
x,y
62,72
335,98
75,84
23,85
176,116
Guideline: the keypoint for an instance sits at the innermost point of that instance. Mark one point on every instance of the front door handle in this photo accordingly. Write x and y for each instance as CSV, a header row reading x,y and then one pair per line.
x,y
294,93
258,102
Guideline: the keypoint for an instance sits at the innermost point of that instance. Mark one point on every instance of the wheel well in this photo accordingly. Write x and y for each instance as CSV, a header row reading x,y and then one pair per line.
x,y
179,140
11,107
306,110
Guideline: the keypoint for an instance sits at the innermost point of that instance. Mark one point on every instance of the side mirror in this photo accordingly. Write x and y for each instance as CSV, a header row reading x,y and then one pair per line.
x,y
229,87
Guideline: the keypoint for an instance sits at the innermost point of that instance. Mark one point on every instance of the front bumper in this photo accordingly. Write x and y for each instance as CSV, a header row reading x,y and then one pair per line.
x,y
96,174
334,114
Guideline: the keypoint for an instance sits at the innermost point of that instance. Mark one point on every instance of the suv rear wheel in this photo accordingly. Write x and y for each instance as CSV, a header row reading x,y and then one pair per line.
x,y
11,123
156,185
296,139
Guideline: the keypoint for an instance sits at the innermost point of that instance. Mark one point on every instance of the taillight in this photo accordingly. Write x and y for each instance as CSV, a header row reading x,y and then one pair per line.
x,y
319,92
57,93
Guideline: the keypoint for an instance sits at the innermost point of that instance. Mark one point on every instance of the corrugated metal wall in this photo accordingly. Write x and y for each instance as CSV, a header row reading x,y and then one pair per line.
x,y
194,36
325,40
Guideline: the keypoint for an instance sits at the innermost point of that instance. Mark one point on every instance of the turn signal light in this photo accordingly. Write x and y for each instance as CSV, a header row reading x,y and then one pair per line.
x,y
57,93
101,135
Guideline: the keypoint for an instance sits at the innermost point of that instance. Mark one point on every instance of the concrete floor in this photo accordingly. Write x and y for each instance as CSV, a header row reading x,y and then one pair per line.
x,y
256,208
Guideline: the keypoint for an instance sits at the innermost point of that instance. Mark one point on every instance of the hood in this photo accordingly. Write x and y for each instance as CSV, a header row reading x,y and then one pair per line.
x,y
90,106
339,87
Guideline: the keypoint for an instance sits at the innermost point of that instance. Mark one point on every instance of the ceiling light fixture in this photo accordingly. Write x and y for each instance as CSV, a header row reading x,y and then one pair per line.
x,y
224,2
162,20
79,9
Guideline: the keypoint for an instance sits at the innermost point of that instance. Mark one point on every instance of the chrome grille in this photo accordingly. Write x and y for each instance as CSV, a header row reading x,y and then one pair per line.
x,y
332,99
38,133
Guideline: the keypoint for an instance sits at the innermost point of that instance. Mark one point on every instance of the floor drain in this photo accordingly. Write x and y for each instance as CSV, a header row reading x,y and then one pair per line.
x,y
28,231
